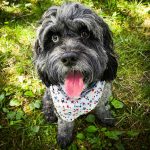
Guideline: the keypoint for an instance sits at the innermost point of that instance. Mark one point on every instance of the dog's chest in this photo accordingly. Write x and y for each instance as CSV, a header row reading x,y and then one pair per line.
x,y
69,108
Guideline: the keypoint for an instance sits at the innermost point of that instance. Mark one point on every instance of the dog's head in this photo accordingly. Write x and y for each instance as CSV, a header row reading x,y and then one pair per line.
x,y
74,40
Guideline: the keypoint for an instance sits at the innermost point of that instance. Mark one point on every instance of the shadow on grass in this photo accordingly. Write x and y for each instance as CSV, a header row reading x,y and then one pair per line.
x,y
23,12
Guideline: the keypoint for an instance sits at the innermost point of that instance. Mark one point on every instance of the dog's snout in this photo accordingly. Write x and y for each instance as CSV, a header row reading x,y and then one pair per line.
x,y
69,59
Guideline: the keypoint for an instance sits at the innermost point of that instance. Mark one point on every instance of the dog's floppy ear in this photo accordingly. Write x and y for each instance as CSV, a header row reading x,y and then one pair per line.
x,y
46,19
43,75
47,16
111,70
37,48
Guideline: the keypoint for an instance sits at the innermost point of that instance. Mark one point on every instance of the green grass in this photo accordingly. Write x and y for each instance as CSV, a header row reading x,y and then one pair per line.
x,y
22,125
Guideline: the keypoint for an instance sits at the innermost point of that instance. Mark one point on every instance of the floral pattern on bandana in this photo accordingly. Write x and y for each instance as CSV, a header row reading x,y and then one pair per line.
x,y
71,108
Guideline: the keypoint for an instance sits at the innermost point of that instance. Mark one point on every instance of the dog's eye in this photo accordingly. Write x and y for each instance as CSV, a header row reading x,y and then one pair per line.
x,y
85,34
55,38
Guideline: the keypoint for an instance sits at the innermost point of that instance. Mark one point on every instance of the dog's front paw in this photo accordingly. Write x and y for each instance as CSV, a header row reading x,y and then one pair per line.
x,y
64,141
51,118
48,111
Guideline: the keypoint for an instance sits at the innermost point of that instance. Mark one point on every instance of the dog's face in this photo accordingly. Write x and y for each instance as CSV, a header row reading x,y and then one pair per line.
x,y
74,39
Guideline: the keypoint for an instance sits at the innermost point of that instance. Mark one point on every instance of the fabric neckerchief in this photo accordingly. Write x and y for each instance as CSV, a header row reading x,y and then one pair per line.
x,y
71,108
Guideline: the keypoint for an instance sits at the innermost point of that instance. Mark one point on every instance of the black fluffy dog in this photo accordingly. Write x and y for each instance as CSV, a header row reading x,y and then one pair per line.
x,y
74,55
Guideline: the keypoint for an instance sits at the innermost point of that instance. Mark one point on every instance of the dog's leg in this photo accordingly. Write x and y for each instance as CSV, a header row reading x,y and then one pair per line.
x,y
48,108
102,110
65,132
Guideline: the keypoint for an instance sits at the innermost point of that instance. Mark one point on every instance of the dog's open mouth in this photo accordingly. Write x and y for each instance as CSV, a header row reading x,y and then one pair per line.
x,y
74,84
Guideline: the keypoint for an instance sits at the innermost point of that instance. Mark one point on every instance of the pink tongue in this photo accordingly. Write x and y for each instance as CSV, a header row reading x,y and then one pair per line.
x,y
74,84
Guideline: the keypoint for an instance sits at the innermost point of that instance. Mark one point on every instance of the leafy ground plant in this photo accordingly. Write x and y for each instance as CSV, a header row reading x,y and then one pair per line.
x,y
22,124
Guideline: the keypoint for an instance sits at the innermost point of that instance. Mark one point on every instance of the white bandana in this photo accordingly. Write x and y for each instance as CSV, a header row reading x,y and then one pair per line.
x,y
71,108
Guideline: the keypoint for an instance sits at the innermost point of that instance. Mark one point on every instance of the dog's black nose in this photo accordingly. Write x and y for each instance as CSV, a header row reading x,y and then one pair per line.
x,y
69,59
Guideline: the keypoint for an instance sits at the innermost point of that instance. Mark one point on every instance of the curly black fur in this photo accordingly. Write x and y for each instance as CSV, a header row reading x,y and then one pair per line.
x,y
74,30
96,57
